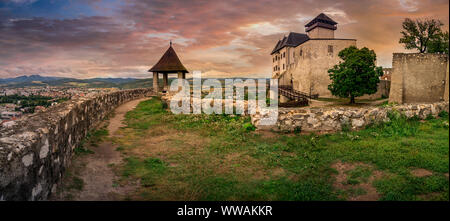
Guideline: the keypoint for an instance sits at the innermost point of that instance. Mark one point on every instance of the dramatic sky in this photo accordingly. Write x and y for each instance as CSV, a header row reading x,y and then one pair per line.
x,y
113,38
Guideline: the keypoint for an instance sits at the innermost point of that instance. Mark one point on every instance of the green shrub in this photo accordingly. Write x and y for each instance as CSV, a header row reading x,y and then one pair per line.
x,y
443,114
414,118
249,126
383,104
346,127
398,125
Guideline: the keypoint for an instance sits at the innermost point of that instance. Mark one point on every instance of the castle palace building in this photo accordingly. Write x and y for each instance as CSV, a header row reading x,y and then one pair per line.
x,y
301,61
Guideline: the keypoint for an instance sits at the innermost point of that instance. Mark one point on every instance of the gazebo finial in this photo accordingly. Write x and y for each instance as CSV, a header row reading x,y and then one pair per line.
x,y
170,43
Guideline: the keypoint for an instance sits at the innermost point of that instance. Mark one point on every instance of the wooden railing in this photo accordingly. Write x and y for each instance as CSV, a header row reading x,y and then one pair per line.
x,y
292,94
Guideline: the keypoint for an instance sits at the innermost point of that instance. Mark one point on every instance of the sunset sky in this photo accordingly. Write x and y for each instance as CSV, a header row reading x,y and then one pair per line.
x,y
113,38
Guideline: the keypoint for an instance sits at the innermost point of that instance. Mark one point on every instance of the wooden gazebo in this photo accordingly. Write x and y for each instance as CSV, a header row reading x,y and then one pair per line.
x,y
169,63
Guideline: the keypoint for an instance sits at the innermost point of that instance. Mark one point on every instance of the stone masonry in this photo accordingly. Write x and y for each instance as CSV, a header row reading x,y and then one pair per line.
x,y
36,150
331,119
419,78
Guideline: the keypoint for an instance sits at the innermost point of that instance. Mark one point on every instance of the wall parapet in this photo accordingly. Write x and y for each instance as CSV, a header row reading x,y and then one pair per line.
x,y
418,77
331,119
36,150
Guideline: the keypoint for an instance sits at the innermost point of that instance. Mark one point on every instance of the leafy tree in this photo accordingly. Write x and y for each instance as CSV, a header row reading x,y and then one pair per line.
x,y
356,75
420,34
439,44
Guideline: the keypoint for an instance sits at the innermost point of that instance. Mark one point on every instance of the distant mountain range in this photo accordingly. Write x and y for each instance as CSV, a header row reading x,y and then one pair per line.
x,y
30,78
122,83
38,80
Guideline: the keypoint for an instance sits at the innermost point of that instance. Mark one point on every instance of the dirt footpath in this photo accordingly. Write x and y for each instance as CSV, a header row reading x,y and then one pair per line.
x,y
95,170
119,115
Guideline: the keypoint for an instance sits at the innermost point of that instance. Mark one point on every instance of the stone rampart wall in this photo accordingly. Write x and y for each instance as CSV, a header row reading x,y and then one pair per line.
x,y
36,150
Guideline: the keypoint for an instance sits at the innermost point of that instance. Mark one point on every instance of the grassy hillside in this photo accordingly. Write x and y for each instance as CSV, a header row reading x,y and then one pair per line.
x,y
220,157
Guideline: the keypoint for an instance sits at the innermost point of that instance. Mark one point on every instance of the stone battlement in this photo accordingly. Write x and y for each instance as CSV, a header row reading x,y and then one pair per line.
x,y
36,150
331,119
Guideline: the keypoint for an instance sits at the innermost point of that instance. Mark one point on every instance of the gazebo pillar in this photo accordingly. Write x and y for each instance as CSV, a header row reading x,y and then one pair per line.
x,y
166,81
180,78
155,82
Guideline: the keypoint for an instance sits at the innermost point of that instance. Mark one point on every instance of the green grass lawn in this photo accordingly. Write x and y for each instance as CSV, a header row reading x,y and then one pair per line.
x,y
220,157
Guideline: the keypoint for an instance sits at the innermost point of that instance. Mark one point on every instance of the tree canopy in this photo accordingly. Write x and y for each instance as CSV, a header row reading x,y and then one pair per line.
x,y
356,75
440,44
424,35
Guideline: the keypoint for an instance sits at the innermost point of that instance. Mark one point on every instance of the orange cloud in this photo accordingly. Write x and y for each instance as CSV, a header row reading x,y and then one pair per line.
x,y
220,38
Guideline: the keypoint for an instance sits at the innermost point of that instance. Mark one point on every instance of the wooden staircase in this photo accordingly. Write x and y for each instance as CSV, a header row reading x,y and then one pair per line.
x,y
294,95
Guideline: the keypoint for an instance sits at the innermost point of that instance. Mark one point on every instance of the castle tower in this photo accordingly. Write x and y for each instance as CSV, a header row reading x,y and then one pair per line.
x,y
321,26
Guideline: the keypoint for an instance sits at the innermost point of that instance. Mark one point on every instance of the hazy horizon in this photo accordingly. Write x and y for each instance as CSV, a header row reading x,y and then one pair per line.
x,y
171,76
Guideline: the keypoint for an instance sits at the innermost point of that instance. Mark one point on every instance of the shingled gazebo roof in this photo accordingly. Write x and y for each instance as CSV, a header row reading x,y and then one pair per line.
x,y
169,63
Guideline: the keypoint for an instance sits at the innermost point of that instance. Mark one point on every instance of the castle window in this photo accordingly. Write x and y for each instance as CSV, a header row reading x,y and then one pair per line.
x,y
284,54
301,52
283,66
330,49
